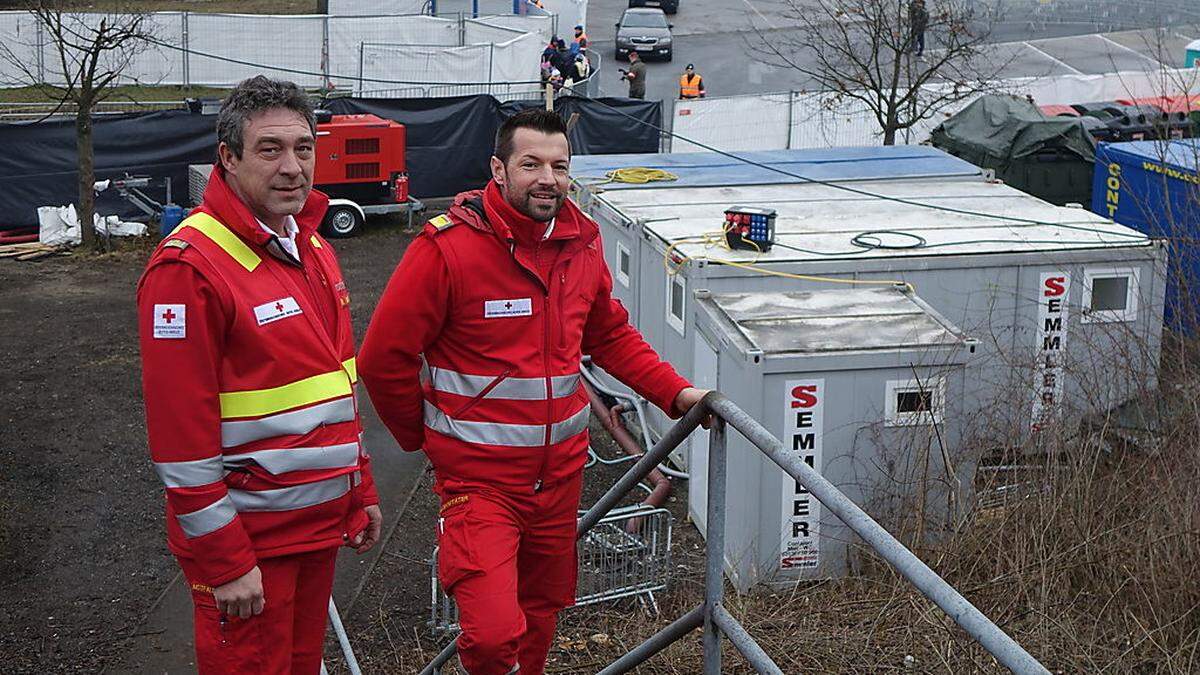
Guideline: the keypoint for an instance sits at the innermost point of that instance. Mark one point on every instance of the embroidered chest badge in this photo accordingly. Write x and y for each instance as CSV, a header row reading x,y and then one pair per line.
x,y
501,309
276,310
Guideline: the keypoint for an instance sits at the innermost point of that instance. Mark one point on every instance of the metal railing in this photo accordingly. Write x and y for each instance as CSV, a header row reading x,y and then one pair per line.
x,y
711,614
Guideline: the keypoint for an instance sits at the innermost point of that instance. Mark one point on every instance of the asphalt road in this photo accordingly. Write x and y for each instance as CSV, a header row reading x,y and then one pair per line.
x,y
720,37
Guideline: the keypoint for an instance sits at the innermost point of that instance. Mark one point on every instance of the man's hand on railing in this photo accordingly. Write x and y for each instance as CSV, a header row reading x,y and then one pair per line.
x,y
688,397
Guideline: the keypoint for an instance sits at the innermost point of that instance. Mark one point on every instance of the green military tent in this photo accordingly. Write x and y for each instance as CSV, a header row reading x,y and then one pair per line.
x,y
1049,157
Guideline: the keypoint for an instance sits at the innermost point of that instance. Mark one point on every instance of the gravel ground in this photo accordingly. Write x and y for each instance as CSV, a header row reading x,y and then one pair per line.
x,y
83,556
83,553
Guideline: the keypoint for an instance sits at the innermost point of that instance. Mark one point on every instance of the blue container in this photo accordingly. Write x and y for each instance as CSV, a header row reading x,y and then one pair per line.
x,y
172,215
1154,187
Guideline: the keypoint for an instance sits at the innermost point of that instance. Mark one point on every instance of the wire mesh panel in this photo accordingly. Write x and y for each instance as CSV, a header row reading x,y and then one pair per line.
x,y
628,553
293,44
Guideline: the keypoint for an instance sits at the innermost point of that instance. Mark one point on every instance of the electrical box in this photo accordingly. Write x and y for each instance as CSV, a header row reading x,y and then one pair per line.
x,y
749,228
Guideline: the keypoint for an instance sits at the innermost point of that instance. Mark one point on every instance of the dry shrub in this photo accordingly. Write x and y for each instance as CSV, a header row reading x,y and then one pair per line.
x,y
1092,568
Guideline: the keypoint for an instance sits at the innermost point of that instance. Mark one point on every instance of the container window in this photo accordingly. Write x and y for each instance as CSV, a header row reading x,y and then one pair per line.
x,y
913,402
1110,294
623,264
676,299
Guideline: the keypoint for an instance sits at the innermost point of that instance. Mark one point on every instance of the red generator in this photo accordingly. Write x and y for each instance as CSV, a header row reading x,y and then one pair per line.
x,y
360,165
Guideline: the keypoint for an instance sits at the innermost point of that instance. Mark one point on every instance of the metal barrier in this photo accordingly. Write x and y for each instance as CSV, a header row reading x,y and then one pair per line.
x,y
711,614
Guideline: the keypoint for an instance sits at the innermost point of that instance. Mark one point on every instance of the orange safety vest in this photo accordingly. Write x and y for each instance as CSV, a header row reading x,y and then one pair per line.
x,y
581,40
689,89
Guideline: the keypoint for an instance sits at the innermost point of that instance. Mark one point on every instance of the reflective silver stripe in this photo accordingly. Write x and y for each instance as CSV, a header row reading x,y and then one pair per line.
x,y
564,385
208,519
510,435
512,388
287,423
290,498
356,478
193,473
561,431
298,459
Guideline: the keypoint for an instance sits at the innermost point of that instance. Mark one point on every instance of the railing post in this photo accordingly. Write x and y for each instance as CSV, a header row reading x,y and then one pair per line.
x,y
790,114
325,54
360,68
187,51
41,53
714,557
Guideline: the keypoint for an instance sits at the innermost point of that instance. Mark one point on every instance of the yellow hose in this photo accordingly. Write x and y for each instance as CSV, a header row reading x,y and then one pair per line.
x,y
639,175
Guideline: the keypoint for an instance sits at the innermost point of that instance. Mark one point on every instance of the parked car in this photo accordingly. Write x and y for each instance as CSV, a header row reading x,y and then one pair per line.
x,y
668,6
645,30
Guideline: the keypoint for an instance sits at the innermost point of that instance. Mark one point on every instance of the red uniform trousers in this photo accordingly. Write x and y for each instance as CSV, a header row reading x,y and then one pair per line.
x,y
509,560
287,638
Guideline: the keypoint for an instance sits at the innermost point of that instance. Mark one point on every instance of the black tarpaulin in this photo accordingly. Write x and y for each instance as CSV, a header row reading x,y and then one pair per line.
x,y
449,144
38,163
449,139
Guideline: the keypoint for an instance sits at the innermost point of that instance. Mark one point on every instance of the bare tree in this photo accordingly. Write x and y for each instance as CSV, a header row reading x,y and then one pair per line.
x,y
90,51
865,52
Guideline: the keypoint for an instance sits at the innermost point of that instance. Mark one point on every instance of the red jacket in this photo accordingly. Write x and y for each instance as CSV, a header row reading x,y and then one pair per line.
x,y
503,404
248,373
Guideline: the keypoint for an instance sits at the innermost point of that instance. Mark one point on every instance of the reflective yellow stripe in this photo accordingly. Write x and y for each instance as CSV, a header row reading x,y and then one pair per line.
x,y
223,237
351,367
315,242
256,402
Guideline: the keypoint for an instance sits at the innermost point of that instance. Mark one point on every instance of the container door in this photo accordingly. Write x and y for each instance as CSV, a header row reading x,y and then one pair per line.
x,y
704,377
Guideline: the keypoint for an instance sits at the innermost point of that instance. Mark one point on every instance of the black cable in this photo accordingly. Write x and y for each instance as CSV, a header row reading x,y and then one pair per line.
x,y
870,240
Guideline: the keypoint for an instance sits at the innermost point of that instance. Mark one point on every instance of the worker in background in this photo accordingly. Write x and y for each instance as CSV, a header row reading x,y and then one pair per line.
x,y
691,85
581,39
636,76
583,69
918,21
248,373
563,59
502,296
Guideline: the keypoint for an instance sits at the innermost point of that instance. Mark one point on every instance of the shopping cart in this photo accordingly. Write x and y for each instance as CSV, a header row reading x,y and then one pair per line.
x,y
627,554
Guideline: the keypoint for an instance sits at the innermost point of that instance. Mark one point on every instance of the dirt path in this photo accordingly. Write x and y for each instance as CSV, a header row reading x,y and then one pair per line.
x,y
83,555
86,581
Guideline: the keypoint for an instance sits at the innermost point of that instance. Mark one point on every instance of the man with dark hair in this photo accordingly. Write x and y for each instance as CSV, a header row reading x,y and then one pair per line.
x,y
636,76
918,22
691,85
502,296
248,373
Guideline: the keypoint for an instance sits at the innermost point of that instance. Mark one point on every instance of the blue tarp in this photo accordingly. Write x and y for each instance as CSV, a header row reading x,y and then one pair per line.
x,y
1154,187
706,169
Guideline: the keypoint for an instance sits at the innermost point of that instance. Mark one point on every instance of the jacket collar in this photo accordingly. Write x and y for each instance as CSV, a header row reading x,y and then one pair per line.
x,y
222,203
578,230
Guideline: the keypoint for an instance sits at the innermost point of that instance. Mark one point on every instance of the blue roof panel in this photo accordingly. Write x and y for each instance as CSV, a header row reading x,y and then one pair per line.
x,y
706,169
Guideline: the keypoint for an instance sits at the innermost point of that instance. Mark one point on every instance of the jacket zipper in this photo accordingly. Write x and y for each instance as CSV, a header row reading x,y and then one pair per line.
x,y
330,343
547,325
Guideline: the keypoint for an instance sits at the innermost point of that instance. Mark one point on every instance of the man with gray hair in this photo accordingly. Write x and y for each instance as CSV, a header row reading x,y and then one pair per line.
x,y
248,371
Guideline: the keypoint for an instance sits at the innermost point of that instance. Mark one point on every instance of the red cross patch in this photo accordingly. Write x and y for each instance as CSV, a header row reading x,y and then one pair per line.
x,y
170,322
